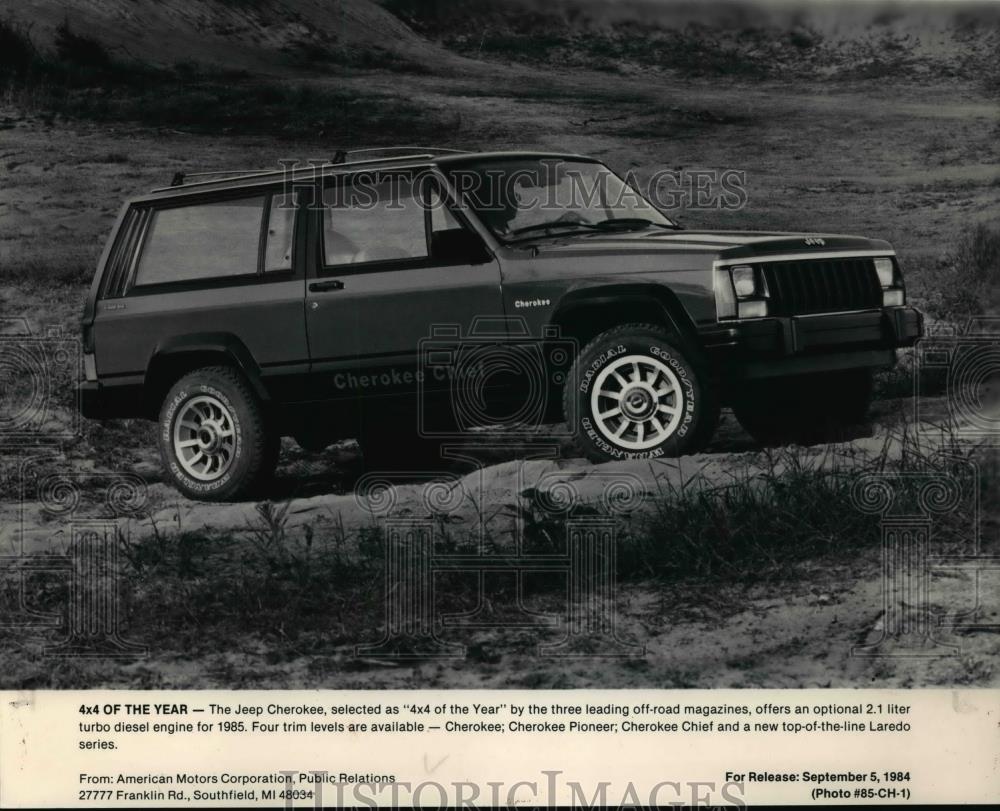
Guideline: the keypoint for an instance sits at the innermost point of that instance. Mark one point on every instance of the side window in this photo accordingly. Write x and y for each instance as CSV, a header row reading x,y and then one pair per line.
x,y
206,241
280,228
373,222
122,256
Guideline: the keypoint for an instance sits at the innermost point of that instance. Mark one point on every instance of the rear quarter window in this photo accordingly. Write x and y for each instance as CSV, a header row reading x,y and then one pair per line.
x,y
205,241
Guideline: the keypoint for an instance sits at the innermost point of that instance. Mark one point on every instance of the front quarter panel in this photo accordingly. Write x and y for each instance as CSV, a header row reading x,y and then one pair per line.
x,y
536,286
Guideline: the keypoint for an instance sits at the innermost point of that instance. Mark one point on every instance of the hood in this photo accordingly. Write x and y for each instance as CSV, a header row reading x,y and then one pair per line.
x,y
722,245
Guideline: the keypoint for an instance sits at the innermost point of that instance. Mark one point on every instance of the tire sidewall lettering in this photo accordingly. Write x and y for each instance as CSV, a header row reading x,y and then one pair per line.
x,y
598,363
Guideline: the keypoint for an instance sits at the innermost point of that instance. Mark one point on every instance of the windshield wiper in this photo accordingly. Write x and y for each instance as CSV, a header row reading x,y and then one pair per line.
x,y
545,226
629,223
612,224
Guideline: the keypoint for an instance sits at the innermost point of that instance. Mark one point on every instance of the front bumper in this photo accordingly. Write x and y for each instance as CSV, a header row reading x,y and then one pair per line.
x,y
774,347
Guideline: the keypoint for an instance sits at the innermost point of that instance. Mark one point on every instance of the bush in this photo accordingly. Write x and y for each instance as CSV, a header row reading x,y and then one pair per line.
x,y
77,49
977,254
964,281
17,52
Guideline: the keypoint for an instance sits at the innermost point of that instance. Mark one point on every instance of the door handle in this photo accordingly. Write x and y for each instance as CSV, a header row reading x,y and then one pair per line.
x,y
323,287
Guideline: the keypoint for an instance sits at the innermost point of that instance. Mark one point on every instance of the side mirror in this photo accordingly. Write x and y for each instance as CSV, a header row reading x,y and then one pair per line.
x,y
458,246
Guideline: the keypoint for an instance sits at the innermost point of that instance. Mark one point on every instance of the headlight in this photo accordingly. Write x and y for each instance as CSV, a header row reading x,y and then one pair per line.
x,y
893,294
886,272
740,293
744,281
725,300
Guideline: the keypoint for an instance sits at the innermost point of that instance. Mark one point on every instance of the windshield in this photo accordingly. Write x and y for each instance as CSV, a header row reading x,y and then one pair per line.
x,y
529,197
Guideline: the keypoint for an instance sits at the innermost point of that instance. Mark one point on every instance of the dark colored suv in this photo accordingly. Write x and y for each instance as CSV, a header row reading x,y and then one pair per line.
x,y
408,299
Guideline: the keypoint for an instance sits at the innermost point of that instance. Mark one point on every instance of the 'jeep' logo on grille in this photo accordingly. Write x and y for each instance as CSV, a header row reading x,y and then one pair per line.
x,y
815,241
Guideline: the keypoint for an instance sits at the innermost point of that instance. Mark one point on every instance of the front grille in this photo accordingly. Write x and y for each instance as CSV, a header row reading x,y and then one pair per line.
x,y
822,286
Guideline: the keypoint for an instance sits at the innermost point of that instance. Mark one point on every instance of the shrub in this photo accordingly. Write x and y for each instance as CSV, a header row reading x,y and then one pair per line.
x,y
977,254
17,52
964,281
78,49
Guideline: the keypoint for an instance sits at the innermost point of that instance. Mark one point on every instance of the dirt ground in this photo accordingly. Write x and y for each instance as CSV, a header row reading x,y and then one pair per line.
x,y
912,161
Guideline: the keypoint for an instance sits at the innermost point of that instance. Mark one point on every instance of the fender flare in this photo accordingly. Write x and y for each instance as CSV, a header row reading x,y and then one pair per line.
x,y
674,314
222,344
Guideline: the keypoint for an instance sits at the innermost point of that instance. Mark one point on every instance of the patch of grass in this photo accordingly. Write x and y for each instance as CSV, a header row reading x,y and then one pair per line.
x,y
978,254
41,267
964,281
693,51
113,157
565,34
799,507
210,105
290,583
327,56
749,530
679,122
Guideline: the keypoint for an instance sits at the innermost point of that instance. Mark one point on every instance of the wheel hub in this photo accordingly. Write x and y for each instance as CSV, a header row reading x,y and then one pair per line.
x,y
638,403
209,437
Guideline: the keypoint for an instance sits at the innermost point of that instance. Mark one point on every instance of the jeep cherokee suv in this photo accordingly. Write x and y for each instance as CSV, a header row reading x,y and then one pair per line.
x,y
332,301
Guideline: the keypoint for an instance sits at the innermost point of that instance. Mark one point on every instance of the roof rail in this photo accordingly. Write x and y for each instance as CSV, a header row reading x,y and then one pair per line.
x,y
180,178
340,158
342,154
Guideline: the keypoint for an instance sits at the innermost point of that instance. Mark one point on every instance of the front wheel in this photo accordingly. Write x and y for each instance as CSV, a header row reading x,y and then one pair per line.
x,y
633,395
214,438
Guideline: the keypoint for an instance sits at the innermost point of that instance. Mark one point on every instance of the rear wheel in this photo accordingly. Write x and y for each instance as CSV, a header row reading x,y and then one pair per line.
x,y
807,409
213,436
633,395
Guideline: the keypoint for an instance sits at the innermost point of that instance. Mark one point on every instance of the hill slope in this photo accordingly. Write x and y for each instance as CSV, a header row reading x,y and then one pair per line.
x,y
268,35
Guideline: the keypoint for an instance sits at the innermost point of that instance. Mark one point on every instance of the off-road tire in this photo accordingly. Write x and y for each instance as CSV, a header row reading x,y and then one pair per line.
x,y
690,395
255,450
806,409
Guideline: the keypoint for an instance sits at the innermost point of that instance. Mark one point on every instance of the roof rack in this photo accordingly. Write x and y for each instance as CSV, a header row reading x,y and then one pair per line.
x,y
417,151
180,178
340,158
